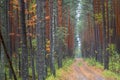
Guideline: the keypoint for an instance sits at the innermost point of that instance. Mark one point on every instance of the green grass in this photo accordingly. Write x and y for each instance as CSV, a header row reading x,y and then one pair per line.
x,y
92,62
111,75
106,73
60,72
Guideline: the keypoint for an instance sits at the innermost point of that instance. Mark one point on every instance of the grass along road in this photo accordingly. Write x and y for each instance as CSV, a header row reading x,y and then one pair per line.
x,y
79,70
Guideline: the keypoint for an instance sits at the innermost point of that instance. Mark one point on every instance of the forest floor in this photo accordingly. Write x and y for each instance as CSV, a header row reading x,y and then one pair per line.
x,y
80,70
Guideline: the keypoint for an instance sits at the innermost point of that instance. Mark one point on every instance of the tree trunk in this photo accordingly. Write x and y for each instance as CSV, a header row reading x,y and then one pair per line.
x,y
40,55
24,56
106,55
52,37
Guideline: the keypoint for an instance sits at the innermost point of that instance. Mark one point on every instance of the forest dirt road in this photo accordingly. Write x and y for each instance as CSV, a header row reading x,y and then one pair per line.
x,y
79,70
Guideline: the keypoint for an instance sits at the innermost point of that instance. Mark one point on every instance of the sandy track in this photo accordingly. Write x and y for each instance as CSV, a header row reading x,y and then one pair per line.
x,y
82,72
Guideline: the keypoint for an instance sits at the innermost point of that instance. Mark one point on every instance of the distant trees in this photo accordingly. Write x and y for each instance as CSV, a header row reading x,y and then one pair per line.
x,y
101,30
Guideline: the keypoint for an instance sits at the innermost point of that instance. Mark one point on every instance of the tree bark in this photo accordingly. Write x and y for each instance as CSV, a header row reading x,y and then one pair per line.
x,y
40,55
24,55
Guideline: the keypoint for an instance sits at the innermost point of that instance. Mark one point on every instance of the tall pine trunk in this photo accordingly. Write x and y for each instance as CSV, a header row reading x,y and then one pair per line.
x,y
40,26
52,37
24,55
105,44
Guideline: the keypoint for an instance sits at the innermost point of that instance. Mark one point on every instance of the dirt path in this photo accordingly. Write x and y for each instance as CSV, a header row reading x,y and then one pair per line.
x,y
81,71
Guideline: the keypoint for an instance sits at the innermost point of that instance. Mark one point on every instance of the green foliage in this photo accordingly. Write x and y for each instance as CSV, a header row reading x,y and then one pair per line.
x,y
31,6
106,73
67,63
112,49
61,33
34,43
20,50
59,72
111,75
111,32
114,59
98,17
92,62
